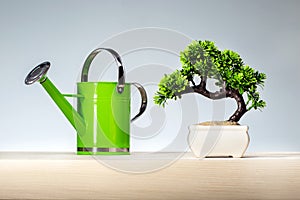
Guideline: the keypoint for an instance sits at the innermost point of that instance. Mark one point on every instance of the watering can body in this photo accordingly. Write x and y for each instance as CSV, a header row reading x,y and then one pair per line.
x,y
102,119
106,115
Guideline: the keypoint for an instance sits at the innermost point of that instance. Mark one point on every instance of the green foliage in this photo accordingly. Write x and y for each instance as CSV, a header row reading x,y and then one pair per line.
x,y
198,58
203,59
169,86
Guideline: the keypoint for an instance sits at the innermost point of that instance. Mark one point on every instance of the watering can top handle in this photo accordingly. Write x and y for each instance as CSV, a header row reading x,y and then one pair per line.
x,y
90,58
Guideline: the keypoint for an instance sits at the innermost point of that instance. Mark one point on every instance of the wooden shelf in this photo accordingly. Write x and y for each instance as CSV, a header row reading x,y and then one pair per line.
x,y
173,176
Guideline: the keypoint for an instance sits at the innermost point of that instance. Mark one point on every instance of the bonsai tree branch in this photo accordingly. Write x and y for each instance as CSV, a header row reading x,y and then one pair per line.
x,y
193,82
203,82
223,93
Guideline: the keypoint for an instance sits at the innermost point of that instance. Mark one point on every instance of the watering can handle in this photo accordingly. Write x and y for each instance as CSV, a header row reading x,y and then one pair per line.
x,y
144,100
90,58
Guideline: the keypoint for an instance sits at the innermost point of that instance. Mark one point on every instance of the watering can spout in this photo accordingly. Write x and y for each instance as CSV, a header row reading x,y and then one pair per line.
x,y
39,74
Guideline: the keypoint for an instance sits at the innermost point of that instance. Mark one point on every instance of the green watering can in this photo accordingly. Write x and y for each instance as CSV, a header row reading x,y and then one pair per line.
x,y
102,119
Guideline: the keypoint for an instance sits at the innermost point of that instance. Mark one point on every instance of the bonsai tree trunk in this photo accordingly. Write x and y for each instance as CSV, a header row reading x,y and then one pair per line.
x,y
223,93
241,106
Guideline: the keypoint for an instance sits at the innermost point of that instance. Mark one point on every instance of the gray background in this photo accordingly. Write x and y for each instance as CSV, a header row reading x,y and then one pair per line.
x,y
265,33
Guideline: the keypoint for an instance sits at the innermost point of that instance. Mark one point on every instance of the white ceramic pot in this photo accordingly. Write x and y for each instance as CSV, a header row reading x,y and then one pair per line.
x,y
218,141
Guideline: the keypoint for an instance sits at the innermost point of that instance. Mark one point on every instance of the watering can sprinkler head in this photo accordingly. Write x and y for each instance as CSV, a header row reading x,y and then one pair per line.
x,y
38,73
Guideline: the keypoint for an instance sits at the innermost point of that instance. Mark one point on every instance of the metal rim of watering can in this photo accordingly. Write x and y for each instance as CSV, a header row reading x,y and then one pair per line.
x,y
117,57
101,149
38,73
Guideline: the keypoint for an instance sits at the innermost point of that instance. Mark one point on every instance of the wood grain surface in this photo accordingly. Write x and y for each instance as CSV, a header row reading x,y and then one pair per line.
x,y
67,176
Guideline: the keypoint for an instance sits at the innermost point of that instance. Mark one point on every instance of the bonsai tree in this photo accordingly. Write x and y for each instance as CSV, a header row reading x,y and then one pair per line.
x,y
202,60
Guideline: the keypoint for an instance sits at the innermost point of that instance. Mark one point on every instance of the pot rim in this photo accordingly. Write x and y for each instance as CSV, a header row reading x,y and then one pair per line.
x,y
218,127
